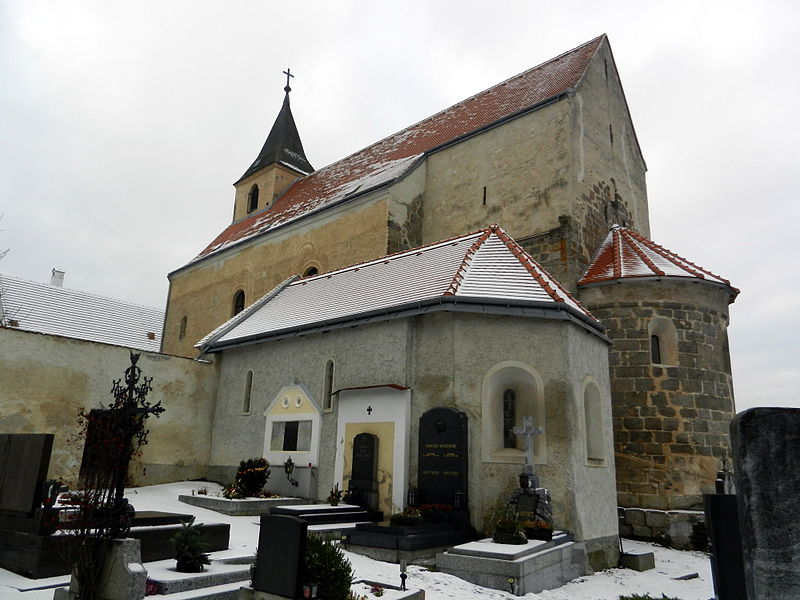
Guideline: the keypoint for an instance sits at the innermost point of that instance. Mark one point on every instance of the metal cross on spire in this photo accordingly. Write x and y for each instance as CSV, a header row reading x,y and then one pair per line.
x,y
288,73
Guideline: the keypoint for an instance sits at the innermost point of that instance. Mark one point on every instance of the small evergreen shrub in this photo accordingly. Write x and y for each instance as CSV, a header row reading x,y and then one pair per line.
x,y
190,548
252,476
328,567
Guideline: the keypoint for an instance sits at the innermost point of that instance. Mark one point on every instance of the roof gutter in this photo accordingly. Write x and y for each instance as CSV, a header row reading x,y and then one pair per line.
x,y
490,306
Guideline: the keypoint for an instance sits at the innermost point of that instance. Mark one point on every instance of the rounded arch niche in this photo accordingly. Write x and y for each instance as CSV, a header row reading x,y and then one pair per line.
x,y
511,391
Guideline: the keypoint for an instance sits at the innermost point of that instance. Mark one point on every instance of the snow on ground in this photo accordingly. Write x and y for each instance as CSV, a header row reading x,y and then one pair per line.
x,y
605,585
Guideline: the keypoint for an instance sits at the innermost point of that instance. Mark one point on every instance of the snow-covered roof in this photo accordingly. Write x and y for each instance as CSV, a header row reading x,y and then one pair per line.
x,y
394,156
49,309
626,254
484,271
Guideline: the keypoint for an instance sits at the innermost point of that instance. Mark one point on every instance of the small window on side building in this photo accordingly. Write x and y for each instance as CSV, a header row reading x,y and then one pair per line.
x,y
248,392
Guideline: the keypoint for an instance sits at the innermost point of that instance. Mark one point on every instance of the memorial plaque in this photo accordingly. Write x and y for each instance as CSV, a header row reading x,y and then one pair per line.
x,y
24,460
443,455
280,557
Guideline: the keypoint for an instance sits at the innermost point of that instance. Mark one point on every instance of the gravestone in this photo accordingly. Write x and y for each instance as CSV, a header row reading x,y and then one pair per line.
x,y
280,556
766,451
363,479
443,456
24,460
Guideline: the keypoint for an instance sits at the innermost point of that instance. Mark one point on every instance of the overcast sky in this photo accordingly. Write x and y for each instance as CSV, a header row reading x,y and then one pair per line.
x,y
124,124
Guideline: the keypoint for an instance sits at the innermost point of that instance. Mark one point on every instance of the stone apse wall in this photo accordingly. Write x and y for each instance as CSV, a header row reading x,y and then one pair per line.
x,y
670,419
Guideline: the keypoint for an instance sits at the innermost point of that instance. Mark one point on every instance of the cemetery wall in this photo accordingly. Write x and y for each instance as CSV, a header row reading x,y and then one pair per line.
x,y
671,418
47,380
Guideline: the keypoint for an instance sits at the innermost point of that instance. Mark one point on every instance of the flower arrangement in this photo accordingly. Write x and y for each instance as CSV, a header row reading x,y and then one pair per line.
x,y
534,528
410,517
252,476
436,513
335,495
507,526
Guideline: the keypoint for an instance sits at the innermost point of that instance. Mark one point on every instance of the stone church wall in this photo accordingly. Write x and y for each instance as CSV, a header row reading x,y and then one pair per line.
x,y
47,380
204,292
670,420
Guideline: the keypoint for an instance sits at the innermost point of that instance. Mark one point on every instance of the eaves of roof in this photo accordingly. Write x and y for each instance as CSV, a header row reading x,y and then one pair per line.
x,y
487,306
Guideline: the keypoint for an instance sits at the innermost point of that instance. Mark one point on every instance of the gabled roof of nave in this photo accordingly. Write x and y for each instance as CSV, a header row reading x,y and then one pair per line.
x,y
49,309
482,269
395,155
625,254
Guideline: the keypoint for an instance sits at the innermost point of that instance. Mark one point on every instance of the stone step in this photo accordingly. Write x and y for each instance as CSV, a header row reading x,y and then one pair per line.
x,y
195,581
225,591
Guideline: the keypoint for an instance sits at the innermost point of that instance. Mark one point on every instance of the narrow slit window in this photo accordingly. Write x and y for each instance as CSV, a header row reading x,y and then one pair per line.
x,y
655,350
327,389
248,391
509,415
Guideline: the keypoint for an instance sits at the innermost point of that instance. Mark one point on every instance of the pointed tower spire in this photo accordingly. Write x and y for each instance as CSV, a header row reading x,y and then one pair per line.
x,y
283,143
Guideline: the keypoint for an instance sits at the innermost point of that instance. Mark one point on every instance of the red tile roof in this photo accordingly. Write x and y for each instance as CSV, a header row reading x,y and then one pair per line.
x,y
626,254
485,270
395,155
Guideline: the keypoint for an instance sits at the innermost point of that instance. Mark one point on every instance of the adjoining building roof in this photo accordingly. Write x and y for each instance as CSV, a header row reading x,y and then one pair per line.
x,y
283,145
43,308
625,254
485,271
392,157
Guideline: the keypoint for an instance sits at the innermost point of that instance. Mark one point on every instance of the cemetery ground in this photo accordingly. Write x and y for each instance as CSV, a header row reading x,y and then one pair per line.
x,y
666,578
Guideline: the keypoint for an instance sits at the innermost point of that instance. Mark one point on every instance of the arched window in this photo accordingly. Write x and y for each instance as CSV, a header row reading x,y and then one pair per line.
x,y
509,411
327,387
252,198
511,391
593,422
311,271
663,341
182,331
248,391
238,302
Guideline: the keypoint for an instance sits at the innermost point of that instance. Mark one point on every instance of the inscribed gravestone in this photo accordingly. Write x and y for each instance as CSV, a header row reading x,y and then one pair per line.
x,y
364,468
24,460
280,557
766,451
443,455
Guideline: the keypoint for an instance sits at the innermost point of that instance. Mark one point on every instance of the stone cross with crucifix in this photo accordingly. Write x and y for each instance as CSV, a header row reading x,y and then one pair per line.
x,y
528,429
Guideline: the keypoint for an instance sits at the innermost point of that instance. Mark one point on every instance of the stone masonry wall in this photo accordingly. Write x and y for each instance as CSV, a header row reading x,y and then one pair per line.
x,y
566,251
670,421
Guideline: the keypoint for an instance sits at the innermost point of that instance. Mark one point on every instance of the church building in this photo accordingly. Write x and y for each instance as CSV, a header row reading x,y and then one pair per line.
x,y
331,291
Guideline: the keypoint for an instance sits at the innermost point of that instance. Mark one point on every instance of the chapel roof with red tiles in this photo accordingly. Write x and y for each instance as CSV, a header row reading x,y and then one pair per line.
x,y
394,156
625,254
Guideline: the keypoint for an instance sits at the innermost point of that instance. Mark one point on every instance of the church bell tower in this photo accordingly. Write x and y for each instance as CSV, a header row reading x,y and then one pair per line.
x,y
281,161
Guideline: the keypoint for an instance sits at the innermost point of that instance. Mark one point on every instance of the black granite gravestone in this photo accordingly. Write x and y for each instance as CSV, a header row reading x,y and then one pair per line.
x,y
766,452
443,456
363,480
24,460
725,545
280,556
